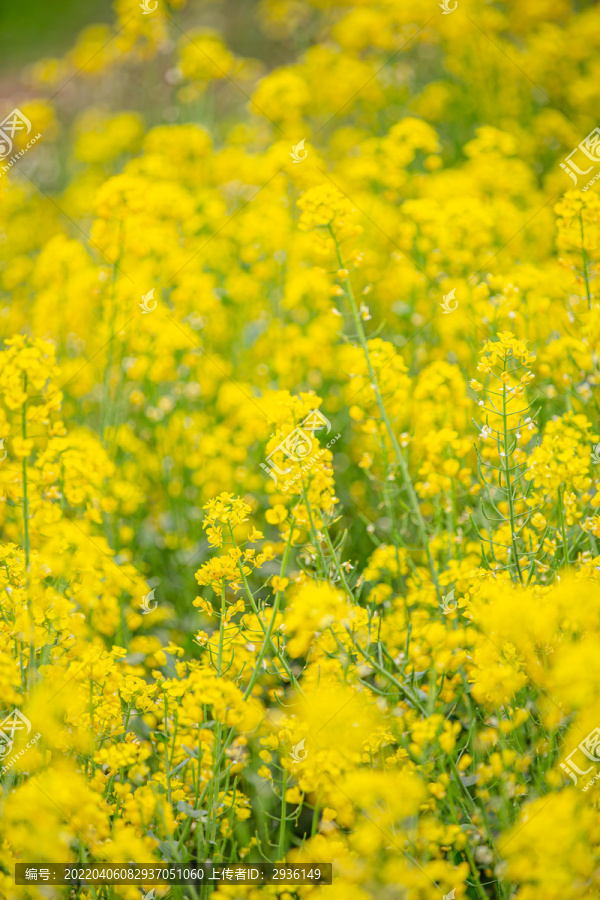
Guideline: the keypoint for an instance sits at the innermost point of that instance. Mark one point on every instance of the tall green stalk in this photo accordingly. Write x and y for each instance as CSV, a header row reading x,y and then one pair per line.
x,y
414,500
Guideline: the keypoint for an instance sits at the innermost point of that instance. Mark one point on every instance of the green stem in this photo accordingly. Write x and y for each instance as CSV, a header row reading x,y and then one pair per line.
x,y
221,632
563,526
283,822
509,486
414,500
338,564
256,612
585,267
382,671
25,500
32,665
314,533
467,850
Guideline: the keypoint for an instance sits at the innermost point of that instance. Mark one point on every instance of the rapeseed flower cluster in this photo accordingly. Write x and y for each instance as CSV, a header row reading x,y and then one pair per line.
x,y
299,449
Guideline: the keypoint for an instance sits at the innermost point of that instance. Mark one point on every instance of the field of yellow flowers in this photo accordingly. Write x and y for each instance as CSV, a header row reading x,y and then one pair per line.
x,y
300,450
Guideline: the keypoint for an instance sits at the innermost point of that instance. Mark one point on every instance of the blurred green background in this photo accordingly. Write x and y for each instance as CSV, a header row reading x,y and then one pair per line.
x,y
31,29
